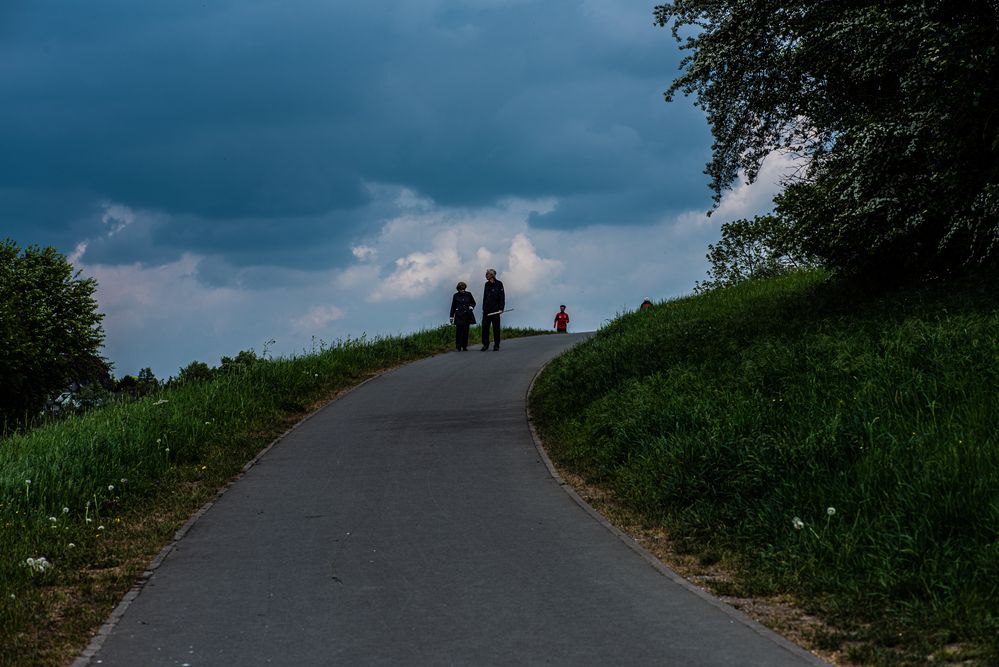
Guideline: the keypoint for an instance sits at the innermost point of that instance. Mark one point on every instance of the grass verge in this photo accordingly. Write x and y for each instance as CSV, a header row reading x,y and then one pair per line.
x,y
832,444
98,496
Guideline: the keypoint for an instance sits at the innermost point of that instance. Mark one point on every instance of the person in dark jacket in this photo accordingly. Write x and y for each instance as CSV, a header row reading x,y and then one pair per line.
x,y
462,316
493,303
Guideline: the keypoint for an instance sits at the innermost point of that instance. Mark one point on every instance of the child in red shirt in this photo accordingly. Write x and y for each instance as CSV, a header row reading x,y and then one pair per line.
x,y
562,320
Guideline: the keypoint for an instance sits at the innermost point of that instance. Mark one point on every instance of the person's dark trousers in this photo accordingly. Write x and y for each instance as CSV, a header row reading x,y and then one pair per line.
x,y
461,336
494,322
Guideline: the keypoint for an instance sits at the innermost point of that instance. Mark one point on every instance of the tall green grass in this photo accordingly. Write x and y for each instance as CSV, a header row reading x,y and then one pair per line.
x,y
90,493
839,445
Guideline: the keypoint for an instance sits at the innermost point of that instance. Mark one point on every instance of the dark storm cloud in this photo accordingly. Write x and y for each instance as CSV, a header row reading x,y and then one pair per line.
x,y
250,130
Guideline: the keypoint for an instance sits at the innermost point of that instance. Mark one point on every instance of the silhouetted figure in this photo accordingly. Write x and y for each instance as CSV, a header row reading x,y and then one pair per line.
x,y
493,303
462,315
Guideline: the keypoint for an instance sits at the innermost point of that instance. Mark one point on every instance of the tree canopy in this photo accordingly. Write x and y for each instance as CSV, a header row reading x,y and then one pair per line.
x,y
50,330
892,106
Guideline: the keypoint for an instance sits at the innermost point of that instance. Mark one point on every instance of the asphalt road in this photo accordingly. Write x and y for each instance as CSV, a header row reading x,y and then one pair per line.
x,y
414,522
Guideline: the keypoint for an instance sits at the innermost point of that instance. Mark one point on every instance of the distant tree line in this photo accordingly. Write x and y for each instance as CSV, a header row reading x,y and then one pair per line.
x,y
891,105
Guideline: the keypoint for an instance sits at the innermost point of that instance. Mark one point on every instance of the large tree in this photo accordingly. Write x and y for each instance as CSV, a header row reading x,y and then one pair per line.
x,y
894,107
50,330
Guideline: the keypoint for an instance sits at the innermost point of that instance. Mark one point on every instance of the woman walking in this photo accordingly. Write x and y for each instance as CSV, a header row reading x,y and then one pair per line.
x,y
462,315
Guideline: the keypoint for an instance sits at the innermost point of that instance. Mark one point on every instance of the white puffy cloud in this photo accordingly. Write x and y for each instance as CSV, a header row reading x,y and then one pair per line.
x,y
116,217
747,199
526,270
318,318
418,272
363,252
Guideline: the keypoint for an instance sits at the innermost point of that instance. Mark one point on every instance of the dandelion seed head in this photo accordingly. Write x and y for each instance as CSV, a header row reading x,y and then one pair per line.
x,y
797,523
830,511
65,510
52,519
110,487
101,527
27,481
71,545
39,564
124,480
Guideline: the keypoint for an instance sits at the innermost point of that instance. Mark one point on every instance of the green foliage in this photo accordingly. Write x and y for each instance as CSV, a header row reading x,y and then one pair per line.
x,y
50,333
144,384
891,103
764,247
196,371
243,361
727,415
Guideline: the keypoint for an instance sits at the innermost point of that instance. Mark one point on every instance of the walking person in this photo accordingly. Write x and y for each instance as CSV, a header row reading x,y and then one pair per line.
x,y
462,316
562,320
493,303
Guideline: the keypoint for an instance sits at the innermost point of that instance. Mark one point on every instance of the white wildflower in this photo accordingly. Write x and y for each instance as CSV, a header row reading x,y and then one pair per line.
x,y
39,564
797,523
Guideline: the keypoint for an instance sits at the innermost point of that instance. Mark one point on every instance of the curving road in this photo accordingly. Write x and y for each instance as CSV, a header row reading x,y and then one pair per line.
x,y
413,522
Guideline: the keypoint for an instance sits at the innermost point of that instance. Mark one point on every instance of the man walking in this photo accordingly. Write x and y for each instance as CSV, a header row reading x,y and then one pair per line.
x,y
493,303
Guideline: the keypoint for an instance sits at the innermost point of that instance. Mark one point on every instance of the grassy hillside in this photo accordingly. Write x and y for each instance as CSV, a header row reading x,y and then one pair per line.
x,y
97,496
834,444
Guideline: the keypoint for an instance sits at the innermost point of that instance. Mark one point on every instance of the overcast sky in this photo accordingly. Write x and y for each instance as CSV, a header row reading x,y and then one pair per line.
x,y
234,172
